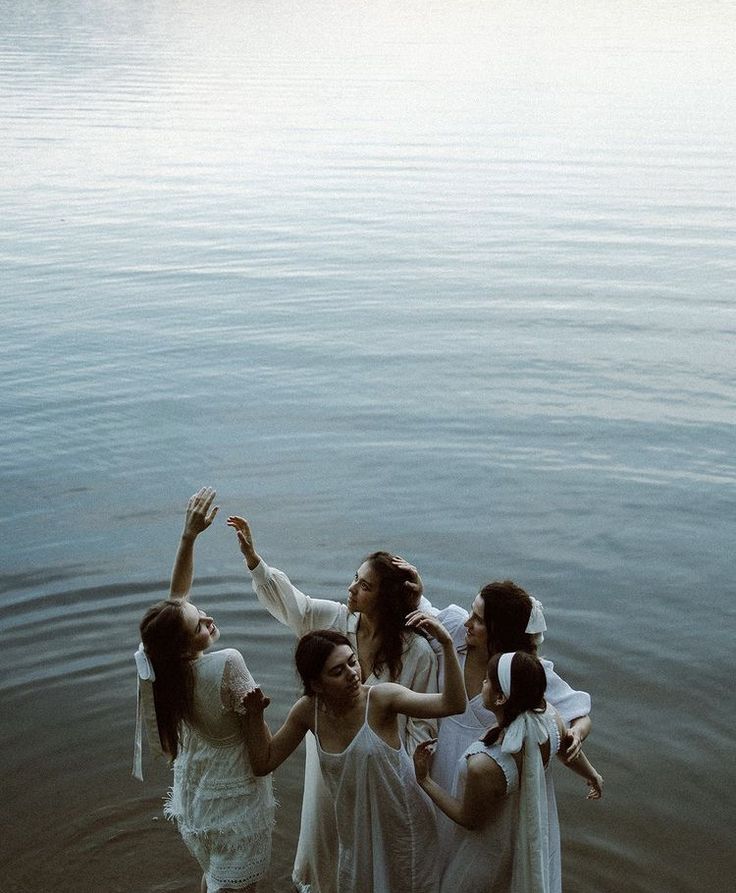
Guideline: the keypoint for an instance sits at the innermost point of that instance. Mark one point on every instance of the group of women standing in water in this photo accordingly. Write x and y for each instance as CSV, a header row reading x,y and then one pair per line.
x,y
418,722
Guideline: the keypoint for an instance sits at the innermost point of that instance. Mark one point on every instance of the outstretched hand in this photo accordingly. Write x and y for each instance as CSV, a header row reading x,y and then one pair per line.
x,y
245,539
423,758
254,703
430,625
199,516
596,787
414,583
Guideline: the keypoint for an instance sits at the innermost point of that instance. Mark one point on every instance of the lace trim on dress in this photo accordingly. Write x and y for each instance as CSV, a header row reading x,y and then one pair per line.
x,y
508,773
236,683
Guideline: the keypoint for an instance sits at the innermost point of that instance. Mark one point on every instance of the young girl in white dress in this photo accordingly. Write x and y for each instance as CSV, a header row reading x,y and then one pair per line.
x,y
385,825
373,621
506,836
192,701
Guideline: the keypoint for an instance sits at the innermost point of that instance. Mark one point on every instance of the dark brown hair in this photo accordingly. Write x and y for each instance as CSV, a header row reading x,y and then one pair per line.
x,y
394,602
506,610
528,684
168,643
312,652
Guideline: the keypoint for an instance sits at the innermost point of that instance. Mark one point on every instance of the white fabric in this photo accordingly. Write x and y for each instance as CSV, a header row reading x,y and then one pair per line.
x,y
536,625
386,830
531,852
484,859
145,712
224,813
314,864
504,672
457,733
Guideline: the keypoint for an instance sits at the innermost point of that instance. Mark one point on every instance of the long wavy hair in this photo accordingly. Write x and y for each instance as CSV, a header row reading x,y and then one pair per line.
x,y
506,610
394,602
528,684
168,644
311,654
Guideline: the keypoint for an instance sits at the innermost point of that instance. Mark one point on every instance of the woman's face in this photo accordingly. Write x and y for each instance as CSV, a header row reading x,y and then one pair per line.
x,y
489,694
364,590
476,635
200,626
340,678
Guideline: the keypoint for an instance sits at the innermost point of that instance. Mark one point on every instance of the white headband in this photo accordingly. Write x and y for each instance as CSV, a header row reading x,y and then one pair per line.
x,y
536,625
504,672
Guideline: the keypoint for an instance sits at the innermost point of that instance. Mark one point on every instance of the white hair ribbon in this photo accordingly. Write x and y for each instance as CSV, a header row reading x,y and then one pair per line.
x,y
531,857
504,672
145,711
536,625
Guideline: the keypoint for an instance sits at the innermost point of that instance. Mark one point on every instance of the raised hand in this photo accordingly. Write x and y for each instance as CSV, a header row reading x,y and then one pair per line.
x,y
199,516
245,539
430,625
423,758
414,583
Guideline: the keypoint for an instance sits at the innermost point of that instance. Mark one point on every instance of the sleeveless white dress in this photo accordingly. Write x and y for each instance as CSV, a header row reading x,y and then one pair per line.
x,y
314,863
482,860
224,813
387,840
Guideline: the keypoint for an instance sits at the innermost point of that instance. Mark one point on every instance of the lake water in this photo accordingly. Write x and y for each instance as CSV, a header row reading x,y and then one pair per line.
x,y
454,279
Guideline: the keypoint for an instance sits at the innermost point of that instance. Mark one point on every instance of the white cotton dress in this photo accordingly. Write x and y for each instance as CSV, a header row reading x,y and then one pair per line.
x,y
315,865
387,839
224,813
456,733
482,860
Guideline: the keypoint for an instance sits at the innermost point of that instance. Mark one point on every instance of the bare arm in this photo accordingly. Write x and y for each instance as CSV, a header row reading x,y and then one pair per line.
x,y
266,751
580,765
485,785
198,518
451,699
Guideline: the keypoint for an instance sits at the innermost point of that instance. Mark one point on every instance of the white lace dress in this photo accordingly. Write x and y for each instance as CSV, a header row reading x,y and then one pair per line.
x,y
224,813
315,864
482,860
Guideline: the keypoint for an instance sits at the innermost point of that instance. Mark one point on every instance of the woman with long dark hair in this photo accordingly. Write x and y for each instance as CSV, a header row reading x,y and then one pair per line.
x,y
194,699
387,650
507,836
386,836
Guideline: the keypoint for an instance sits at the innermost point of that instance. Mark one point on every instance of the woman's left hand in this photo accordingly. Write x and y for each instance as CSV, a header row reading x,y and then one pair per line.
x,y
199,517
423,758
429,624
573,744
254,703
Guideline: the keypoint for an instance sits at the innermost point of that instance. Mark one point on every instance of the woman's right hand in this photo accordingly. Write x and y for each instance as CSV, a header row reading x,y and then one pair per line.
x,y
430,625
423,758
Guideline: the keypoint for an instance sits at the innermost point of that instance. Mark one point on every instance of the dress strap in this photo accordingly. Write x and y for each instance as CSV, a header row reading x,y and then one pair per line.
x,y
367,701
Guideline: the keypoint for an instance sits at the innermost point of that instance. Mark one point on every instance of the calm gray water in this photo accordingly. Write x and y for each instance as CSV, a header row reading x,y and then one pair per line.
x,y
455,279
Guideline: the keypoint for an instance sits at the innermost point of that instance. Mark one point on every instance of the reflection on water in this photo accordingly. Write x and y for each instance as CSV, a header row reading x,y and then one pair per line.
x,y
455,280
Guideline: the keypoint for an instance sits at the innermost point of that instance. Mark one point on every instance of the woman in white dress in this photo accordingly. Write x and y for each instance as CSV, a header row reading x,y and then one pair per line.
x,y
192,702
374,623
503,617
385,826
504,839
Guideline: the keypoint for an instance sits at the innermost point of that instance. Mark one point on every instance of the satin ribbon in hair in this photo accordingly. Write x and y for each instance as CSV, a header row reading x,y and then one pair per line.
x,y
145,712
536,625
531,858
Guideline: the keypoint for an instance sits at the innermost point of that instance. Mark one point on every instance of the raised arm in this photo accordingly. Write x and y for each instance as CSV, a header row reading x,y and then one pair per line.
x,y
451,699
197,519
266,751
277,593
485,784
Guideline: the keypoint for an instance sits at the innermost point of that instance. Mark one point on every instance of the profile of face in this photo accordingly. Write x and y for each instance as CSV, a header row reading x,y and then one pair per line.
x,y
200,626
491,696
340,678
364,591
477,634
